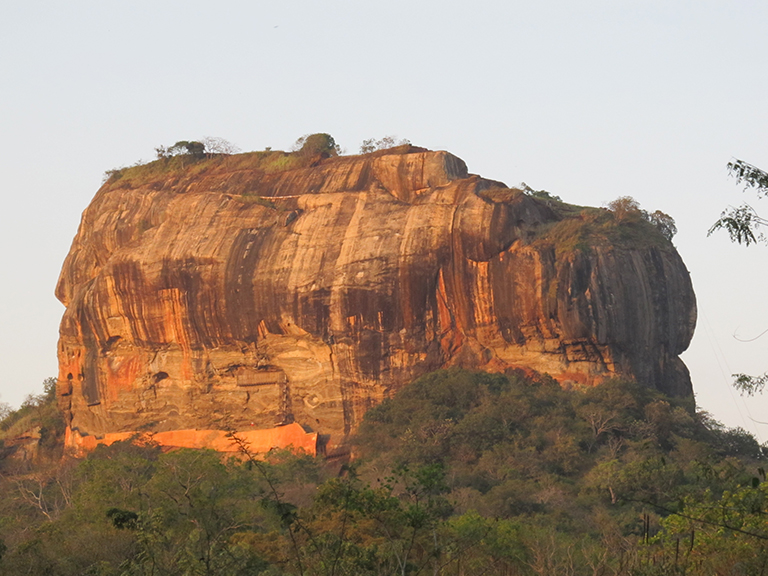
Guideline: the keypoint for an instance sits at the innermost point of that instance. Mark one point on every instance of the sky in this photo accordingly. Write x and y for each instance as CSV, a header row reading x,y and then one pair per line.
x,y
589,100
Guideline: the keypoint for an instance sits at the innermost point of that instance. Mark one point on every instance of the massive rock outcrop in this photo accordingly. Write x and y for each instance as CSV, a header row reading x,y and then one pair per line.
x,y
252,291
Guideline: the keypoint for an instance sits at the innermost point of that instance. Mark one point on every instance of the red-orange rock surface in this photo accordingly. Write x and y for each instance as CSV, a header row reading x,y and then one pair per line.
x,y
255,441
229,294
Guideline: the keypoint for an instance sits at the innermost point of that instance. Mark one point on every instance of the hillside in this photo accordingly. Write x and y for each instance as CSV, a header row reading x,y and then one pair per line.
x,y
460,473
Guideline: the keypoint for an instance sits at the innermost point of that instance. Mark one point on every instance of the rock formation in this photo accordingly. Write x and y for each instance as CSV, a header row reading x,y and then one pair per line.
x,y
252,291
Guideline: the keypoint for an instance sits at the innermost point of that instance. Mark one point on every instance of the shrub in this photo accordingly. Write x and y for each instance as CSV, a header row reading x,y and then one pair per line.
x,y
543,195
112,175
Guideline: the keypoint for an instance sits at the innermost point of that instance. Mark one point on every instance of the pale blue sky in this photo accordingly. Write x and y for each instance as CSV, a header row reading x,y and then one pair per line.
x,y
590,100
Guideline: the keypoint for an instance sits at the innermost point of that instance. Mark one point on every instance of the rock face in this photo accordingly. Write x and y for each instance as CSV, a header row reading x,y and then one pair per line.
x,y
233,293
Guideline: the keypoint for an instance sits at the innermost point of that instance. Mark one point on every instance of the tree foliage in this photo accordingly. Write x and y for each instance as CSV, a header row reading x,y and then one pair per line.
x,y
216,145
624,207
752,176
744,224
750,385
627,209
372,145
320,144
197,149
664,223
459,473
38,414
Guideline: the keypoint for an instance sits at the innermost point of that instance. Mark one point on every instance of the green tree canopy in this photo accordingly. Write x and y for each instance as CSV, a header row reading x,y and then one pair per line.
x,y
317,144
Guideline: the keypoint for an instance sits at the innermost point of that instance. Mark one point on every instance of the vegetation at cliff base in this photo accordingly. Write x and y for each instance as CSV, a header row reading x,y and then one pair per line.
x,y
459,473
37,420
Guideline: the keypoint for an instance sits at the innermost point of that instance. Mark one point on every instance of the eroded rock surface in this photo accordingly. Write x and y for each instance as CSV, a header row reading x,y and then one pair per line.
x,y
226,295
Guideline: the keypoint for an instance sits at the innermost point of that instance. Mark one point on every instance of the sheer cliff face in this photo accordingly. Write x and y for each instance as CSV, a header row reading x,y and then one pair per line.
x,y
227,297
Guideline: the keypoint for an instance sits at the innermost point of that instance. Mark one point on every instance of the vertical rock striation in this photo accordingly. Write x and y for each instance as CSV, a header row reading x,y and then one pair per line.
x,y
236,294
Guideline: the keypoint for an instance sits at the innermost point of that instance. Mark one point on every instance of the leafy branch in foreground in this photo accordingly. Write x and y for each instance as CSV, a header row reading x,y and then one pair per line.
x,y
743,223
743,226
750,385
752,175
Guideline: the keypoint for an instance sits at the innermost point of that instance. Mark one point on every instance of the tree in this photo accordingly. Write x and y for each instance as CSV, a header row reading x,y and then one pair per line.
x,y
371,144
215,145
743,226
317,144
197,149
195,505
626,208
664,223
393,528
743,223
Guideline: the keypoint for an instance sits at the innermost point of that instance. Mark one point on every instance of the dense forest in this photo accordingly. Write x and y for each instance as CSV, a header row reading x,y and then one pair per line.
x,y
460,473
